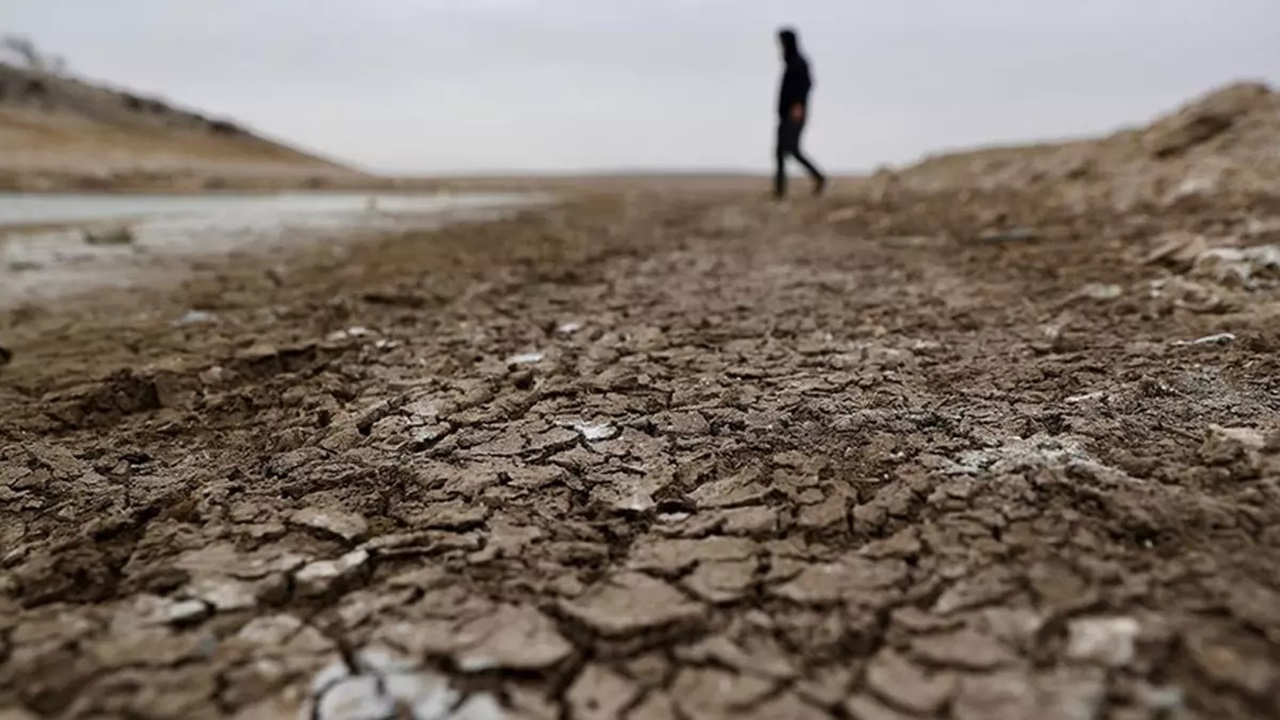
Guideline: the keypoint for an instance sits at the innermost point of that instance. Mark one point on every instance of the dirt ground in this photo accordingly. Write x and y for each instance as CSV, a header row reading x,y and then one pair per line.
x,y
879,457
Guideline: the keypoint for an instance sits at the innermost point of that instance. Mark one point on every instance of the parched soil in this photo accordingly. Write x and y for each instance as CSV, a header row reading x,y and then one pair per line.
x,y
953,455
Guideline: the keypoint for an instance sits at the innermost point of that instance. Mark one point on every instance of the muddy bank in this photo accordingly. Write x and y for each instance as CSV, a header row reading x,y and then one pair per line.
x,y
904,456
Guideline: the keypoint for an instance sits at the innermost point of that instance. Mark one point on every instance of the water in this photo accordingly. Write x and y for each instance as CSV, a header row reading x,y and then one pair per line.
x,y
17,209
44,254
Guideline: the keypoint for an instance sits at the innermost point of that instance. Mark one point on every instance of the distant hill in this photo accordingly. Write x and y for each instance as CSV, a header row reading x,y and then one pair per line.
x,y
57,133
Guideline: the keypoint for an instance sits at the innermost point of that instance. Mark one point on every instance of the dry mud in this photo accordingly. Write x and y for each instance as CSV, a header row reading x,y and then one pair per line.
x,y
955,455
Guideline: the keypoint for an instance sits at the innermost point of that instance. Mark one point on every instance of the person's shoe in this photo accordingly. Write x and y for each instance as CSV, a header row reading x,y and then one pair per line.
x,y
819,186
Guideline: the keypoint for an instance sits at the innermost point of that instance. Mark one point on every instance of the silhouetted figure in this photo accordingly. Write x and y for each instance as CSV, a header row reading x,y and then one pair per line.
x,y
793,111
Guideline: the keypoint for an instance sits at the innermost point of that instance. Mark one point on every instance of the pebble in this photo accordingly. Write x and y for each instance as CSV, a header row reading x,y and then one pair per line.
x,y
596,432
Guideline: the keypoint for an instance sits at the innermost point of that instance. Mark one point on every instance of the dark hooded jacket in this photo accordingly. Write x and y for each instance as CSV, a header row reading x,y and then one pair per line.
x,y
796,81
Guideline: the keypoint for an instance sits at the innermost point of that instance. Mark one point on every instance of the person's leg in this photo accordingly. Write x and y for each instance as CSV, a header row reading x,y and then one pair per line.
x,y
819,180
780,152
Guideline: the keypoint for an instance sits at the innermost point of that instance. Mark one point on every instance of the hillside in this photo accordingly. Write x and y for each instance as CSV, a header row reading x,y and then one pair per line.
x,y
1226,142
57,132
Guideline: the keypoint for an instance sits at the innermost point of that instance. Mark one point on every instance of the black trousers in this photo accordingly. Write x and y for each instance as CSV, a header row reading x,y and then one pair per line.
x,y
789,132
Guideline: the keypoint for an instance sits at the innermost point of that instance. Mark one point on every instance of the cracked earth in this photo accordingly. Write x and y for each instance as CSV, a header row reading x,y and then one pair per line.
x,y
662,458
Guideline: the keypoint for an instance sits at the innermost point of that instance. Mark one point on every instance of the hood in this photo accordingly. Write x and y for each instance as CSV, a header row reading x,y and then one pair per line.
x,y
790,43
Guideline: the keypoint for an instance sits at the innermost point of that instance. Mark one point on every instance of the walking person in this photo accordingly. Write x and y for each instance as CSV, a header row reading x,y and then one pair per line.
x,y
793,111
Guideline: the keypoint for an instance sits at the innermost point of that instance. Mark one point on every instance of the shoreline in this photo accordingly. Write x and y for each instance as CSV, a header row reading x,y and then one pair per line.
x,y
574,182
48,261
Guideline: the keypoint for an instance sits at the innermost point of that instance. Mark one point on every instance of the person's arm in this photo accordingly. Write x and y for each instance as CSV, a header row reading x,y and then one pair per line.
x,y
800,83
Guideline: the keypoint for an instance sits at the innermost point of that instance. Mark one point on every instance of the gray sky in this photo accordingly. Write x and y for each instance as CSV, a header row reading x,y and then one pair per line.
x,y
489,85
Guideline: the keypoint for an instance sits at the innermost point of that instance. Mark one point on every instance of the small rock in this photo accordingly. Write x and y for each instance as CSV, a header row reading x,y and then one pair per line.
x,y
532,358
6,356
349,334
347,526
318,578
1087,397
1105,641
196,317
1221,338
150,610
568,328
183,612
596,432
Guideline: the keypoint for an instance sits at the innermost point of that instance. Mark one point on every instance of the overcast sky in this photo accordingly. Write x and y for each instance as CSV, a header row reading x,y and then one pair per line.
x,y
432,86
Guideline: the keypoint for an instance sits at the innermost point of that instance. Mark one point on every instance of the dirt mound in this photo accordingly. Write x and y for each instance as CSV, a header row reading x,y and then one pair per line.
x,y
1208,118
57,131
1224,146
